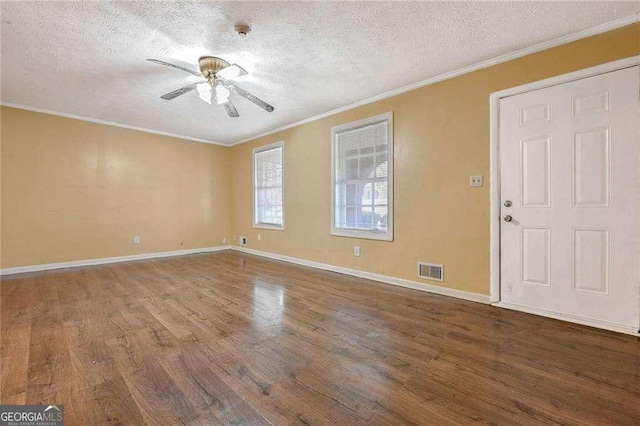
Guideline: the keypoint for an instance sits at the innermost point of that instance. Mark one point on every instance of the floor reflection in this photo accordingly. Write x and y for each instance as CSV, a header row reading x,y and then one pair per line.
x,y
268,303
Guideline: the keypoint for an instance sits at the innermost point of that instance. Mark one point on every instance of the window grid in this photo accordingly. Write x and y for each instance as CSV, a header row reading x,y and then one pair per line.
x,y
268,187
362,179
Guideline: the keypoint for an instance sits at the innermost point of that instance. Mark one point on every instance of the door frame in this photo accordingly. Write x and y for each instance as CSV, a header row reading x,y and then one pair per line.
x,y
494,182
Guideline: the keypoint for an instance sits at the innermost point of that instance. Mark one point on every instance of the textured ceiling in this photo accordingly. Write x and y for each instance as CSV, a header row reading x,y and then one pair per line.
x,y
305,58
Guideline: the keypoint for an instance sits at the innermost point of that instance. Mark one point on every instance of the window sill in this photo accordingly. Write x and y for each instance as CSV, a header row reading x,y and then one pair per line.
x,y
363,235
267,226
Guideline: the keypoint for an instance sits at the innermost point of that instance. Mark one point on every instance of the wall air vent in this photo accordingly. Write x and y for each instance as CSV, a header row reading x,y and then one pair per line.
x,y
431,271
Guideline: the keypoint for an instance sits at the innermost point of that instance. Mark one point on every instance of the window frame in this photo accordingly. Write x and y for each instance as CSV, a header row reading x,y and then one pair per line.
x,y
257,151
354,125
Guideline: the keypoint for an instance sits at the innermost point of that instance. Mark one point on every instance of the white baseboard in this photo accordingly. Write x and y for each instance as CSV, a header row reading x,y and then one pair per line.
x,y
105,260
570,318
429,288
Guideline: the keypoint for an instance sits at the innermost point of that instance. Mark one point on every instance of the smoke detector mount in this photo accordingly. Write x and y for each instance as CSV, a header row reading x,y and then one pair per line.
x,y
243,29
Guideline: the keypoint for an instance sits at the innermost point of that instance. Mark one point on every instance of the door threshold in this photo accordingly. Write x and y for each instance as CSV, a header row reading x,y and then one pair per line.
x,y
620,328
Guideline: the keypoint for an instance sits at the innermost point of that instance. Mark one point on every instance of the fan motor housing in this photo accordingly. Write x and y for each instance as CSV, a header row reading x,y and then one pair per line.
x,y
210,65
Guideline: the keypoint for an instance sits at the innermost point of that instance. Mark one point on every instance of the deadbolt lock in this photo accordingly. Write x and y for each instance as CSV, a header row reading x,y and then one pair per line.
x,y
508,218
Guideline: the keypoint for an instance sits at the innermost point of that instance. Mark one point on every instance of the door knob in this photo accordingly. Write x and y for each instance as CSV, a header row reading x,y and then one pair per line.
x,y
508,203
508,218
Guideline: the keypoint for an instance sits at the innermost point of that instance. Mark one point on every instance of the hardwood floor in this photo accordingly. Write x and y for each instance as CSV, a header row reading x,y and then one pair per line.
x,y
229,338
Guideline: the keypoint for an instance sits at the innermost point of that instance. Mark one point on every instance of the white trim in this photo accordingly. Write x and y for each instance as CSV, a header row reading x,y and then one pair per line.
x,y
494,143
589,32
443,291
570,318
258,150
105,260
631,61
494,201
270,227
354,125
108,123
361,234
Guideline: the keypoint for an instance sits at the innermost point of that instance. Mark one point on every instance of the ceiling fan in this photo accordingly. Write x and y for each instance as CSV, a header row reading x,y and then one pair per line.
x,y
216,85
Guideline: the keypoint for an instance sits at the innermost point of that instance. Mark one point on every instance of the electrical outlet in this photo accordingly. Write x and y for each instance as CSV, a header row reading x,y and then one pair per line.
x,y
224,240
476,181
356,251
259,237
136,239
243,241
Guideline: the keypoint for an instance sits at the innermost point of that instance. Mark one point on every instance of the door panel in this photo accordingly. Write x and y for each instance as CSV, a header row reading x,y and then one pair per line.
x,y
535,167
536,256
591,260
569,166
591,168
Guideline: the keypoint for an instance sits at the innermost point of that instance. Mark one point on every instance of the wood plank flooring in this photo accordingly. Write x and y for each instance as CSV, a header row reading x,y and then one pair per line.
x,y
229,338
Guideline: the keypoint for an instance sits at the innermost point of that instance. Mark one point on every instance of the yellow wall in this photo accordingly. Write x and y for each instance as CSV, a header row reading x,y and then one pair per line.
x,y
441,136
75,190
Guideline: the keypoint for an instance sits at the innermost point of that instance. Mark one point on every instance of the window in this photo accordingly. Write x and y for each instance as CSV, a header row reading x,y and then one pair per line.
x,y
362,178
268,177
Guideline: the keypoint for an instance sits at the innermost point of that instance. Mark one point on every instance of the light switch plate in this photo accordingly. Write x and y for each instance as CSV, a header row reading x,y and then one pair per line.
x,y
476,181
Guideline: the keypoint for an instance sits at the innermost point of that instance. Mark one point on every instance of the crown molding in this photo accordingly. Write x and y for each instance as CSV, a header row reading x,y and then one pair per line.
x,y
108,123
569,38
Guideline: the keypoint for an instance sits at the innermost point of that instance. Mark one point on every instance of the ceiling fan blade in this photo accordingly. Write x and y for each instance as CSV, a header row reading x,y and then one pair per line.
x,y
178,92
231,109
178,67
231,72
248,96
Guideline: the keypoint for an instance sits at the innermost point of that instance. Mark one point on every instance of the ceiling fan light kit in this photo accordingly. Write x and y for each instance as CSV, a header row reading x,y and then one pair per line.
x,y
219,94
216,86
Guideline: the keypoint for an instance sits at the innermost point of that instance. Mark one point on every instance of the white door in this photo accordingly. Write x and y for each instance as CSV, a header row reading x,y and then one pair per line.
x,y
569,176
